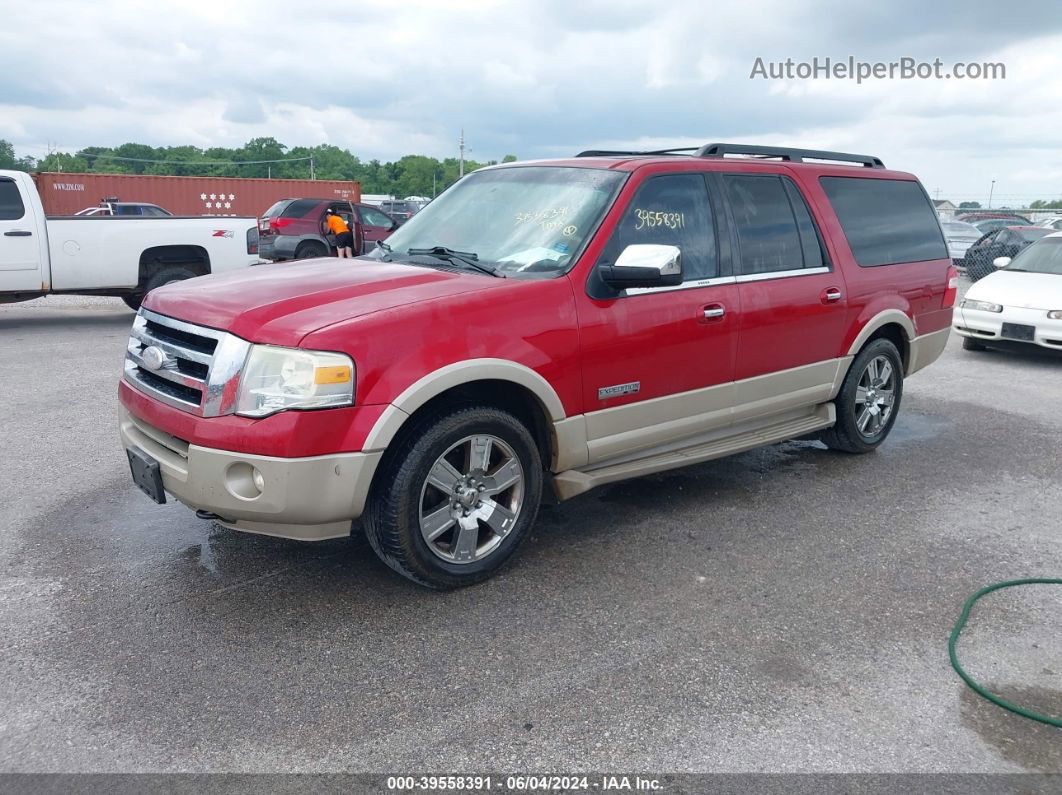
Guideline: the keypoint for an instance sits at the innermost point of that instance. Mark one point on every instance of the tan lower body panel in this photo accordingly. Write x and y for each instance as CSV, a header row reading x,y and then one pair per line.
x,y
736,439
649,424
926,349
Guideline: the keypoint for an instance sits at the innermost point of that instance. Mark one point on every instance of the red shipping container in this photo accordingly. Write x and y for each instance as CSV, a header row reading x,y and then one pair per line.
x,y
66,194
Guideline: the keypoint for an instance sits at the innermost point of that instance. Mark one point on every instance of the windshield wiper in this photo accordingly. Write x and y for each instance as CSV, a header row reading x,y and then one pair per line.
x,y
467,258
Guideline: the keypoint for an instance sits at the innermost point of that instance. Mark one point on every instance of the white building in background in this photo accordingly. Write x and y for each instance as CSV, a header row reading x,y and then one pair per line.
x,y
945,209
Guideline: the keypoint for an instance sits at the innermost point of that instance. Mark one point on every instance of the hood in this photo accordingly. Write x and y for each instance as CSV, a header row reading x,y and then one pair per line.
x,y
1014,288
282,302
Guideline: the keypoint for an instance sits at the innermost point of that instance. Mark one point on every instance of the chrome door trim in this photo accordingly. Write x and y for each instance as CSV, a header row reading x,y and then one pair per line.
x,y
690,285
757,277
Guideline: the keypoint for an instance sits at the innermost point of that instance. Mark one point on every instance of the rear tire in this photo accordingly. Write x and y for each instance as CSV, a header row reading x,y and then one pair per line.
x,y
165,275
310,250
869,399
970,344
449,509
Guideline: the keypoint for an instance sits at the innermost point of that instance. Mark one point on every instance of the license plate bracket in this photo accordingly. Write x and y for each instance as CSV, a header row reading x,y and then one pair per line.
x,y
1018,331
146,475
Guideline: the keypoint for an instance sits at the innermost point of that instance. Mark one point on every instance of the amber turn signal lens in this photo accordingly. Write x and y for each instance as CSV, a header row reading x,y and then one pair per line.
x,y
331,375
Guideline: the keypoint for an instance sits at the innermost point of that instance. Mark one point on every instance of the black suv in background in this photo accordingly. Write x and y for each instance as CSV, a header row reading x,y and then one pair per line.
x,y
295,228
400,210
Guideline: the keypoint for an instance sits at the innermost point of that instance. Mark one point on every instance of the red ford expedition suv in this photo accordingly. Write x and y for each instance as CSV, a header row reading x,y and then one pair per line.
x,y
541,325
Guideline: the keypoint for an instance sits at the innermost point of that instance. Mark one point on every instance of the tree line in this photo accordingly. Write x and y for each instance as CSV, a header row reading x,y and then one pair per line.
x,y
412,175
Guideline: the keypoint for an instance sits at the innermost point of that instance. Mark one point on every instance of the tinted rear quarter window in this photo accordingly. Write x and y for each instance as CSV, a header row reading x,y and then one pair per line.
x,y
276,209
11,206
300,207
886,221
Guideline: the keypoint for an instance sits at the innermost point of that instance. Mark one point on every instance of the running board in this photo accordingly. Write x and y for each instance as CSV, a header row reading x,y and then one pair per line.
x,y
573,482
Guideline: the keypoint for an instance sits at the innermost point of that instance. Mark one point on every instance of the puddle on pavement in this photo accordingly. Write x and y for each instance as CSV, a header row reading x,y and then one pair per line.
x,y
1035,746
912,427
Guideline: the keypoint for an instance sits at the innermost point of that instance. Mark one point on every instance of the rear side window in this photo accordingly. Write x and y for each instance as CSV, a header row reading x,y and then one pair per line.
x,y
300,207
774,227
674,211
127,209
886,221
11,206
276,209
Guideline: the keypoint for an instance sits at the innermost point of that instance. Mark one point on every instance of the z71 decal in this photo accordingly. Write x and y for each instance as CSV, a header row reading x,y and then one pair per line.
x,y
223,233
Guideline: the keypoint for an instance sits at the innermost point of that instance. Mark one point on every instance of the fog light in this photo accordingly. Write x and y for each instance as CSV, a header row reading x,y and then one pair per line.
x,y
244,481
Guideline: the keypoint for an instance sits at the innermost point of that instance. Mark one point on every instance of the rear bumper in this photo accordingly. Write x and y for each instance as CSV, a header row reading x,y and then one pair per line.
x,y
307,499
278,247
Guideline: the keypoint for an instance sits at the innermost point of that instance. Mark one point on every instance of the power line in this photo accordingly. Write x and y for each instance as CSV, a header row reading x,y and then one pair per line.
x,y
193,162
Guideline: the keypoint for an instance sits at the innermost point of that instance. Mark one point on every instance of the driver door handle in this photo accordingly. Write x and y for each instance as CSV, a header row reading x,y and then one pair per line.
x,y
714,311
17,233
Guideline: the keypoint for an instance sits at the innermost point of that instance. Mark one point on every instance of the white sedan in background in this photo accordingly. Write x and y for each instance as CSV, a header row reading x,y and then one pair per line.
x,y
1021,301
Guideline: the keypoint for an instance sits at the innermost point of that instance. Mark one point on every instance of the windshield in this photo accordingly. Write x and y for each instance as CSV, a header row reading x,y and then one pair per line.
x,y
516,220
1043,256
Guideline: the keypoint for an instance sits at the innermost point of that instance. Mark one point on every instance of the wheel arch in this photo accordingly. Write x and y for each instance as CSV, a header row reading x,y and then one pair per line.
x,y
496,382
891,324
155,258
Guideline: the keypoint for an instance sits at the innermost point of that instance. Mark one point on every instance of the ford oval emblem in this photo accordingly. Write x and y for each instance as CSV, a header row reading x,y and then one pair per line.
x,y
152,357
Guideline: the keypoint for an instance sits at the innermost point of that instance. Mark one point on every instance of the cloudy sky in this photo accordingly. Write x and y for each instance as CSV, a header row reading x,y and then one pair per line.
x,y
542,77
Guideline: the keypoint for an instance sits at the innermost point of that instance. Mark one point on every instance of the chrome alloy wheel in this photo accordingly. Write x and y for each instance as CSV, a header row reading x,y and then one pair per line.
x,y
875,396
471,499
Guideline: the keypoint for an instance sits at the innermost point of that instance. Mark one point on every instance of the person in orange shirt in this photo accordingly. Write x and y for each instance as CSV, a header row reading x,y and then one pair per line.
x,y
344,239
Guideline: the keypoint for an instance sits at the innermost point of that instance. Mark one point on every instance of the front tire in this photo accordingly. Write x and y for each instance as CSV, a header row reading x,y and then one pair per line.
x,y
970,344
456,497
869,399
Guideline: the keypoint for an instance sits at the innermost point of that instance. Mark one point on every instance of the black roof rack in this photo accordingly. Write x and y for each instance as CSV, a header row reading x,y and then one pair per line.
x,y
766,152
620,153
788,154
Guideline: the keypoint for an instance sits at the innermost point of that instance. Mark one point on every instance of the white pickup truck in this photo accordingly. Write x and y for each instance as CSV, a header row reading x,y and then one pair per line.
x,y
125,256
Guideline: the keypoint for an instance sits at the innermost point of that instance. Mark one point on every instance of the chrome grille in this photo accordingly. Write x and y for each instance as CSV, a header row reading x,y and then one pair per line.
x,y
190,367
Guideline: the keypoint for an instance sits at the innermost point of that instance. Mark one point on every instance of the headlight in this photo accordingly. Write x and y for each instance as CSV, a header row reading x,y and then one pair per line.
x,y
984,306
275,379
1055,314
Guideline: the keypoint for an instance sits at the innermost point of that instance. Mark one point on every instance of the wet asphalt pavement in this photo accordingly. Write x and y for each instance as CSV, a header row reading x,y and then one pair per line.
x,y
783,610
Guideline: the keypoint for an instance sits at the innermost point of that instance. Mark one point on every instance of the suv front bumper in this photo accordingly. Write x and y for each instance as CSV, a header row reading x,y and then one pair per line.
x,y
307,499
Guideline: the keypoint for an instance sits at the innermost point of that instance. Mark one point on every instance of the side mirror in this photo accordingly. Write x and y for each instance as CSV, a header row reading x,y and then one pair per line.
x,y
1001,262
645,265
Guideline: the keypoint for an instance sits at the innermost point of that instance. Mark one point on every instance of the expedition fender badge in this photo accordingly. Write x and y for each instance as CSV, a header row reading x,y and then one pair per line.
x,y
630,388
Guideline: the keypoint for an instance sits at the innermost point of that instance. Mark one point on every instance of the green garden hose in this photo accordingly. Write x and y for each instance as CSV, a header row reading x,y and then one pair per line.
x,y
953,640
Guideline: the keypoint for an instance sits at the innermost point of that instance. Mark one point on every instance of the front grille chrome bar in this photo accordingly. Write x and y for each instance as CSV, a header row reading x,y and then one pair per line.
x,y
179,372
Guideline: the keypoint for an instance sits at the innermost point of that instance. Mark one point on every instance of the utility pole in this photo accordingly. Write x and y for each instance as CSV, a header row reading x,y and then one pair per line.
x,y
461,148
991,190
269,172
312,173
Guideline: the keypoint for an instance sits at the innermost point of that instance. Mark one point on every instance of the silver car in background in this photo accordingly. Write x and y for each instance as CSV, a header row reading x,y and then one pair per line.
x,y
959,236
